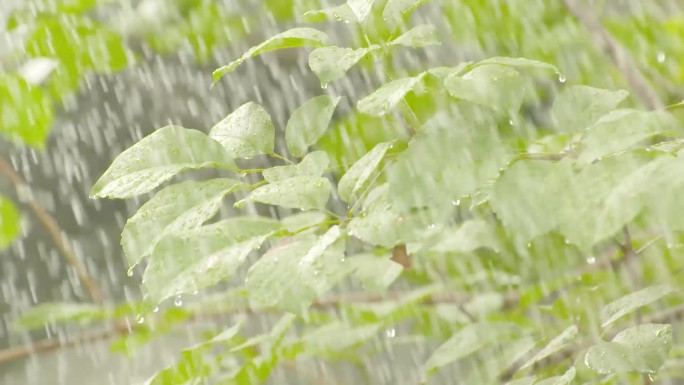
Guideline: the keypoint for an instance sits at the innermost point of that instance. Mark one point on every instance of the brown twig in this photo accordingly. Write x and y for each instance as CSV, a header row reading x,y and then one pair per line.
x,y
616,52
53,229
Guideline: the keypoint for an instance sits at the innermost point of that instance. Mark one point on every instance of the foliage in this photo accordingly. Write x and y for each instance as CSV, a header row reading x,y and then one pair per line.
x,y
499,231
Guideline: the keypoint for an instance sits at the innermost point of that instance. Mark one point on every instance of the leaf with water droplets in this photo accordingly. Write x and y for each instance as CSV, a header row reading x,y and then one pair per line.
x,y
642,348
308,123
308,219
331,63
296,37
395,10
10,223
525,197
202,257
246,132
470,235
357,177
468,340
335,337
300,192
361,8
27,111
578,107
622,129
565,379
340,13
559,342
156,158
293,275
375,273
495,86
518,63
385,98
62,312
176,208
420,36
314,164
629,303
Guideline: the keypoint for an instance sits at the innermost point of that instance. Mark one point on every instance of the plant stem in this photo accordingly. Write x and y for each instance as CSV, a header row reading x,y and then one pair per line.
x,y
284,159
55,232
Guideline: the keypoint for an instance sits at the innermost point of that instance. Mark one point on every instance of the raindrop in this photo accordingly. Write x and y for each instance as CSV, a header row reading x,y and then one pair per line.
x,y
529,244
457,202
561,78
178,302
324,85
591,260
130,272
156,309
140,319
390,333
660,57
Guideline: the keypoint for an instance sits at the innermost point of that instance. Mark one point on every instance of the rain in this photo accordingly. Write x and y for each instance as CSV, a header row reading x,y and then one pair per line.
x,y
365,251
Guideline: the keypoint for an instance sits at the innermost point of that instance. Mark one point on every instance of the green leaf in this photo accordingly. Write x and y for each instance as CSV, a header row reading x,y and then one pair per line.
x,y
296,37
246,132
158,157
357,177
202,257
525,197
300,192
578,107
470,235
314,164
627,304
308,123
361,8
336,337
529,380
676,106
559,342
221,338
376,273
175,209
396,10
467,341
565,379
518,63
622,129
642,348
331,63
52,313
340,13
26,112
495,86
10,222
293,275
423,35
385,98
299,221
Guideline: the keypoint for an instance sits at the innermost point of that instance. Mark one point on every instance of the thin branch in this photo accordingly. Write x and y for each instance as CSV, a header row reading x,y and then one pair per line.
x,y
55,232
617,53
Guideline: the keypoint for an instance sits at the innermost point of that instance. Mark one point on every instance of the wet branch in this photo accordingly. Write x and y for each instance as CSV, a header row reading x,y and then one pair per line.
x,y
55,232
616,52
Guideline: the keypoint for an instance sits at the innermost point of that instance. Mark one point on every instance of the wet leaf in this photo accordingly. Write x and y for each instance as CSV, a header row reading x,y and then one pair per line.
x,y
642,348
158,157
375,273
559,342
175,209
10,222
361,8
385,98
202,257
518,63
340,13
578,107
292,276
300,192
26,112
336,337
308,123
297,222
296,37
358,176
470,235
221,338
395,10
467,341
423,35
529,380
246,132
331,63
314,164
62,312
629,303
622,129
495,86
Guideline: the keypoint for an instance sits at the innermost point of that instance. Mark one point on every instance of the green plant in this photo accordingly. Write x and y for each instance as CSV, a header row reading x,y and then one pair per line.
x,y
501,233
